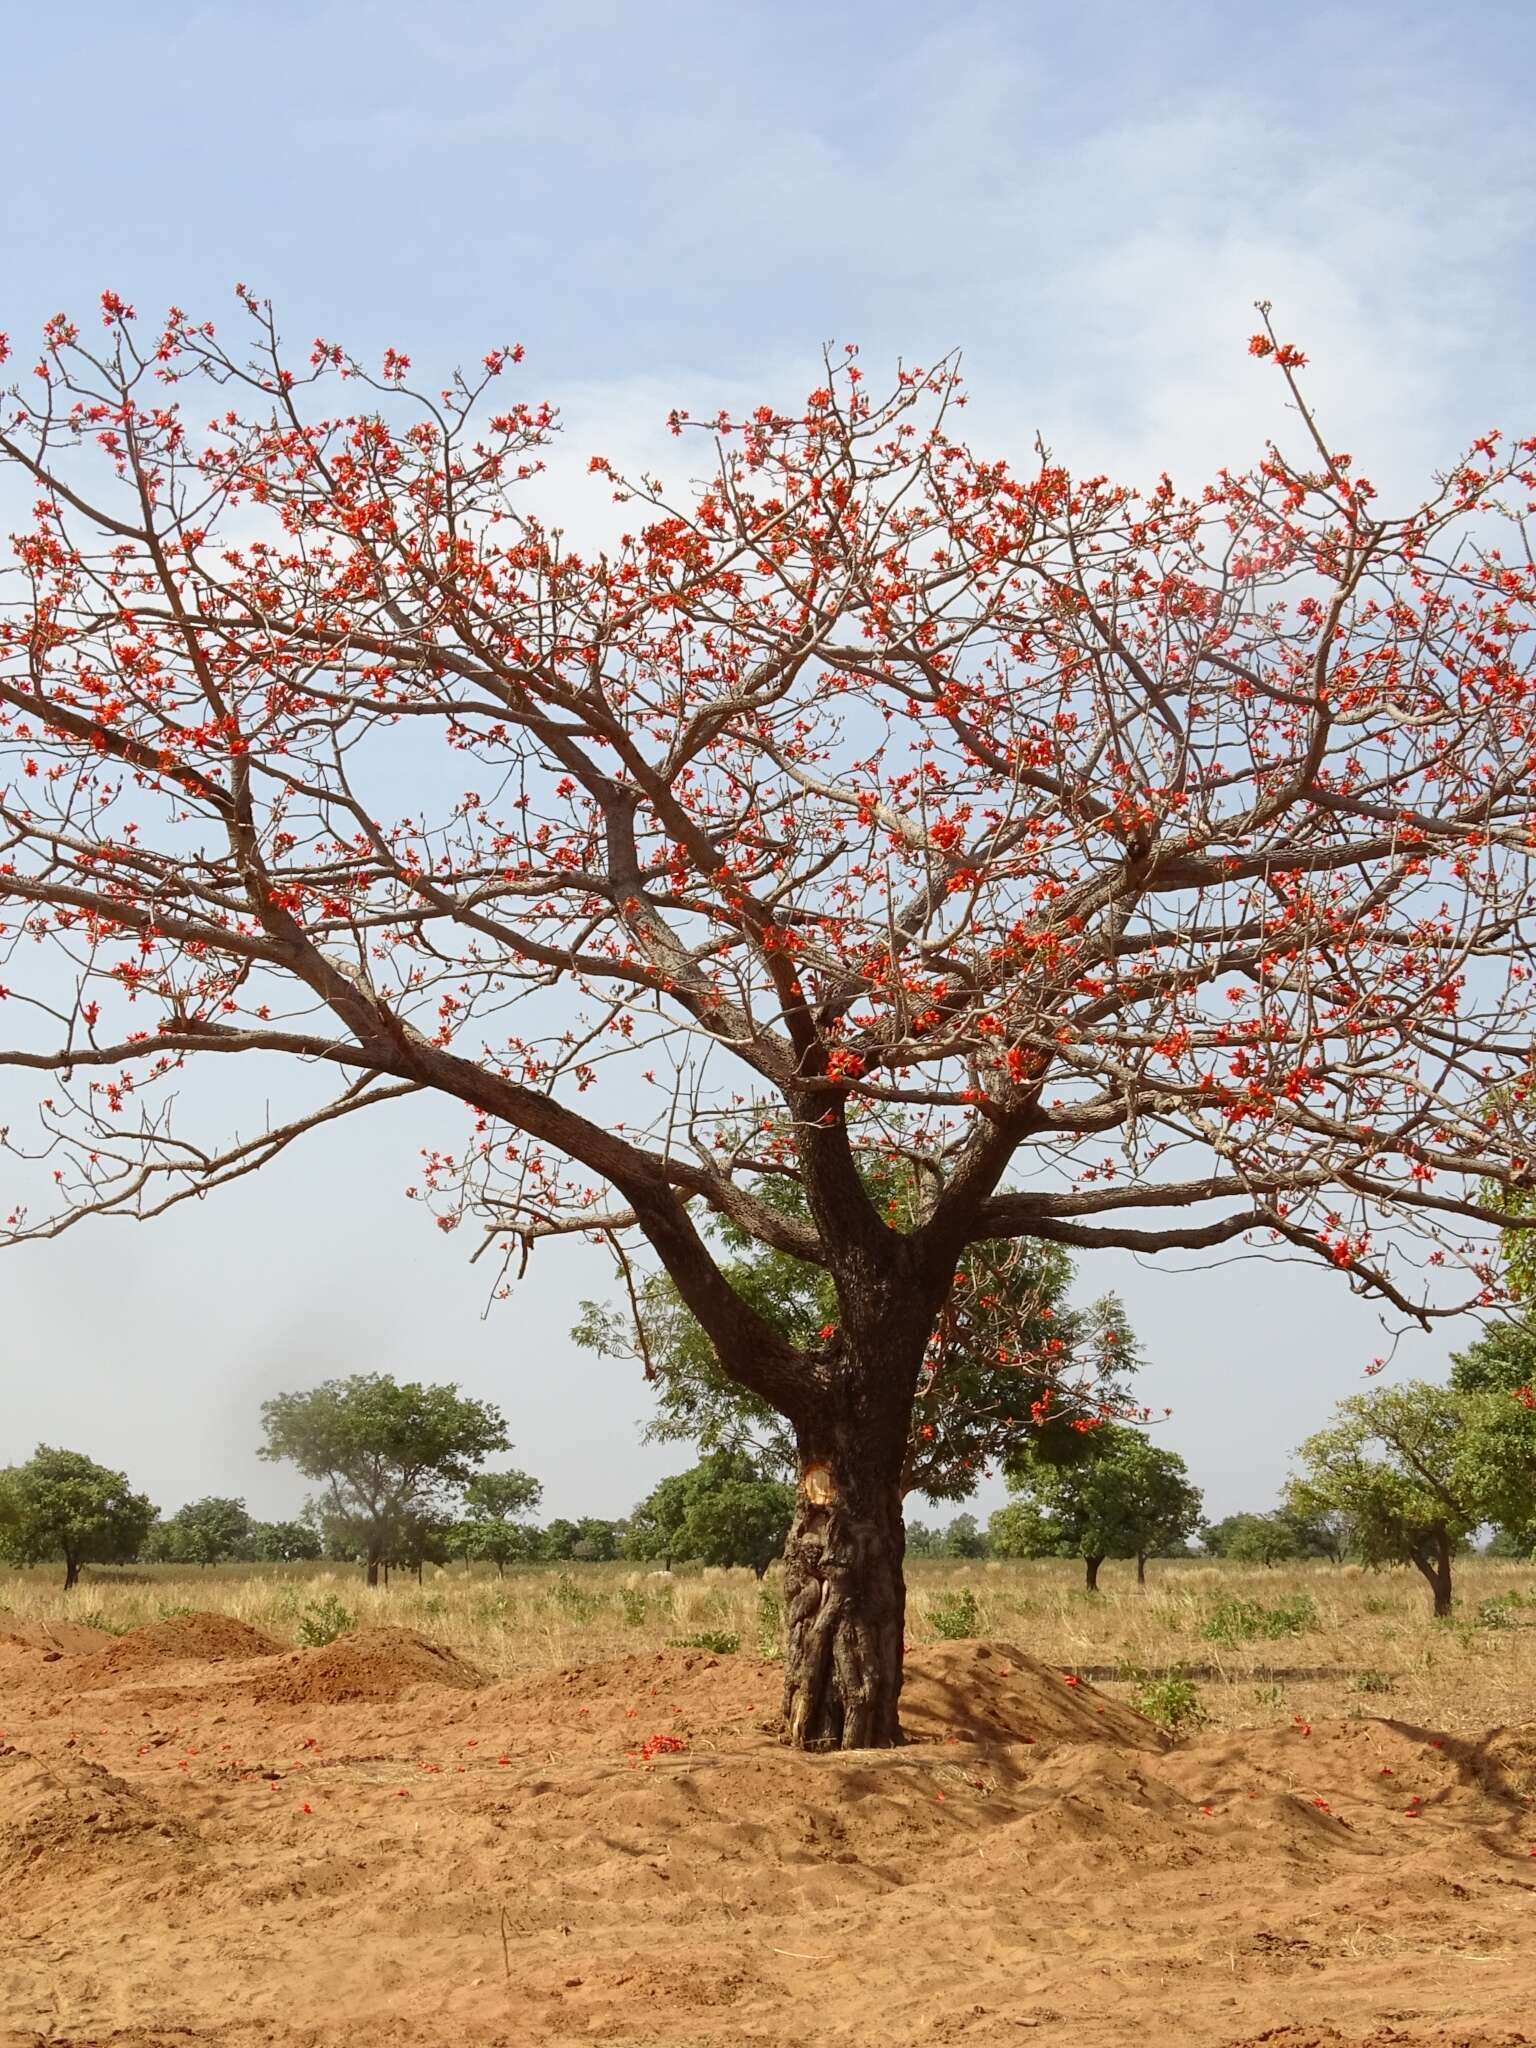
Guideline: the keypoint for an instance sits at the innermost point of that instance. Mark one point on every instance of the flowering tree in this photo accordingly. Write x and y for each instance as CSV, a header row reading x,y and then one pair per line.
x,y
1165,859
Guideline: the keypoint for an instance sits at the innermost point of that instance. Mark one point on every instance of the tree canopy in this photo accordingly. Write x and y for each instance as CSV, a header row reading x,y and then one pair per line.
x,y
205,1531
1126,1497
1415,1469
63,1505
724,1511
390,1455
497,1525
1112,858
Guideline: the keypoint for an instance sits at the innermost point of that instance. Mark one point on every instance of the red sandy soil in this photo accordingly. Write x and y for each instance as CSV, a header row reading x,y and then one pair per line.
x,y
211,1842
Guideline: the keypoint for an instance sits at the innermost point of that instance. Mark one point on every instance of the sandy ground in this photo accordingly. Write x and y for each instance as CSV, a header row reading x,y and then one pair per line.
x,y
206,1838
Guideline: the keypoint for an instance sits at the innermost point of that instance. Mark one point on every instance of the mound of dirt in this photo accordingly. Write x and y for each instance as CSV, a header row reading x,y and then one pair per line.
x,y
184,1639
951,1692
371,1664
73,1813
992,1692
66,1638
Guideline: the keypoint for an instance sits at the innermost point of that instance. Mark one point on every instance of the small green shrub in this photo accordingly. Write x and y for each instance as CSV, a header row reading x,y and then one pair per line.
x,y
175,1613
569,1596
1498,1611
1172,1702
955,1616
720,1642
1372,1680
1245,1621
323,1621
632,1600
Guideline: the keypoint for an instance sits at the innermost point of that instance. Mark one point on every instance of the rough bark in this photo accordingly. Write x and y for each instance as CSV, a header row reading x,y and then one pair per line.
x,y
71,1572
1141,1567
844,1594
373,1571
1435,1564
1091,1565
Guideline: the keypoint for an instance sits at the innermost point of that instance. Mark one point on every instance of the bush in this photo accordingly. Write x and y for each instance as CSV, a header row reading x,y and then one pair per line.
x,y
633,1603
323,1621
1244,1621
1372,1680
1498,1611
720,1642
955,1616
1172,1702
569,1596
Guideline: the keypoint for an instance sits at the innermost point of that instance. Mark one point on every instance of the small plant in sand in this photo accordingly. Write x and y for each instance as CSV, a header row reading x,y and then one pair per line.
x,y
955,1617
569,1598
632,1601
323,1621
1172,1702
1498,1611
1372,1680
720,1642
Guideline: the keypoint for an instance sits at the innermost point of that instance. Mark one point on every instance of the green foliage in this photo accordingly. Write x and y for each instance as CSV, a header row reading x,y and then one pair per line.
x,y
1372,1680
633,1603
723,1511
323,1621
1005,1341
1245,1621
496,1527
1123,1497
62,1505
1415,1469
282,1542
721,1642
1499,1609
956,1617
568,1596
1172,1702
1280,1537
206,1532
390,1456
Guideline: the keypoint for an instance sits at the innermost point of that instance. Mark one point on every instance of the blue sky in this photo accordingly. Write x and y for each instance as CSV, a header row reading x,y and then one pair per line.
x,y
679,205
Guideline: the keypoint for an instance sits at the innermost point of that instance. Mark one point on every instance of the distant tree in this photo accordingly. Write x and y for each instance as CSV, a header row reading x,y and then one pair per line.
x,y
923,1541
964,1538
1249,1538
1415,1469
557,1541
282,1542
597,1541
391,1455
497,1524
724,1511
423,1536
1008,1358
63,1505
1127,1497
207,1531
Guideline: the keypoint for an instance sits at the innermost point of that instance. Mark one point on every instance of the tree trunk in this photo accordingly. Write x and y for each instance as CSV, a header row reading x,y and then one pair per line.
x,y
1141,1567
844,1595
1092,1566
71,1571
373,1571
1436,1567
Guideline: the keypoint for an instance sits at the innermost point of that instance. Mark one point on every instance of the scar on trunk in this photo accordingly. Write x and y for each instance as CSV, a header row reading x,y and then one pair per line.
x,y
818,1485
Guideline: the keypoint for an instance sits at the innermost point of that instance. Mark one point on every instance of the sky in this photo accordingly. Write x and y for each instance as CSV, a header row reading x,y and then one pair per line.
x,y
680,205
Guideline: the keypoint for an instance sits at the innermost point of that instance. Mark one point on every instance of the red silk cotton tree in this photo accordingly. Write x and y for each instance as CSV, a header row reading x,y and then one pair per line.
x,y
1145,871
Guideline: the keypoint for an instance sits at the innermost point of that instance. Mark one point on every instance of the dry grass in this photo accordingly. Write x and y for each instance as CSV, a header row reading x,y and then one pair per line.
x,y
1373,1647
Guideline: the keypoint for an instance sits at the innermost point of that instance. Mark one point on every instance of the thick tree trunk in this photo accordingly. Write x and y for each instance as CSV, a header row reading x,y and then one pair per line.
x,y
844,1595
1141,1567
1092,1571
71,1572
373,1571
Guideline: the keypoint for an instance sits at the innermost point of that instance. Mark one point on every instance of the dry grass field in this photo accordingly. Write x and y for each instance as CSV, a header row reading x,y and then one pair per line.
x,y
1372,1645
553,1809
